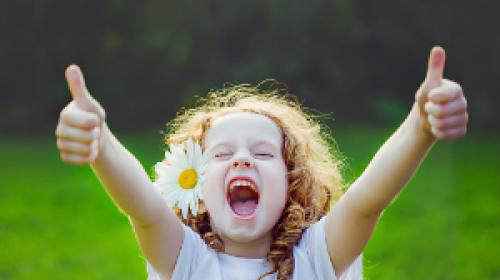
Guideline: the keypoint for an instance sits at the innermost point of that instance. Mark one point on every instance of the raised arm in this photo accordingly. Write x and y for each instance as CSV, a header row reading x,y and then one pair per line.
x,y
439,112
83,137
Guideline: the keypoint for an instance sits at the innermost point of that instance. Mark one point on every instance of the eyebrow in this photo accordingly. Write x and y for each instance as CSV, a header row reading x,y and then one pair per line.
x,y
264,142
213,147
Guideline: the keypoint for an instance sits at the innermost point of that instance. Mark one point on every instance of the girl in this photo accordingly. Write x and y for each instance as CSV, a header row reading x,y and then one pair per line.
x,y
256,203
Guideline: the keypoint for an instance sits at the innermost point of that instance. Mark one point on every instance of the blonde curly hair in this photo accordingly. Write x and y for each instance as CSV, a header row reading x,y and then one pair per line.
x,y
313,165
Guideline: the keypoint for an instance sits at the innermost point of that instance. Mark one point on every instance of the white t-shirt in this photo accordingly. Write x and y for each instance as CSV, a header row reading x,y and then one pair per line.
x,y
197,261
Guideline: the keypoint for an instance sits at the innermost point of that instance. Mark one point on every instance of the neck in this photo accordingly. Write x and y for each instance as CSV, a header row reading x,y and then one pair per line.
x,y
254,249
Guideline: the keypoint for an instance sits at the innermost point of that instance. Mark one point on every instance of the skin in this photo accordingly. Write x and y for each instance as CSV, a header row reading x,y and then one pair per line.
x,y
255,151
439,112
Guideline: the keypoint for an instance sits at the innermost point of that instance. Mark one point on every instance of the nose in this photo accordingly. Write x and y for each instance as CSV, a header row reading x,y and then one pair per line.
x,y
242,162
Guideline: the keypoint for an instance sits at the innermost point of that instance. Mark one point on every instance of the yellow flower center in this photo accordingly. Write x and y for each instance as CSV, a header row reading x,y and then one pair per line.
x,y
187,179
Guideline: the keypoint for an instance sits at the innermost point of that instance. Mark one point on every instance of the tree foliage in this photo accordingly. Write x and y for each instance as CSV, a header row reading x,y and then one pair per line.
x,y
361,60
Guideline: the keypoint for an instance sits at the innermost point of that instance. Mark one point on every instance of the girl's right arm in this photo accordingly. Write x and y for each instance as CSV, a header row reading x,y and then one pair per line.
x,y
84,138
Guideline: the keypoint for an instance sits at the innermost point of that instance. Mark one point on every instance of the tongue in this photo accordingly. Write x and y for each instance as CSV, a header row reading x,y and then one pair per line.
x,y
244,208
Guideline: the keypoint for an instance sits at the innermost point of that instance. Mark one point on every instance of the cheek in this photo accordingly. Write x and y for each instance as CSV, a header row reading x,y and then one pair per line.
x,y
274,203
213,184
278,187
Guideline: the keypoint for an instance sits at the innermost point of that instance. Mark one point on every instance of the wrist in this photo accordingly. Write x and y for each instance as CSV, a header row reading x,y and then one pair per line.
x,y
105,139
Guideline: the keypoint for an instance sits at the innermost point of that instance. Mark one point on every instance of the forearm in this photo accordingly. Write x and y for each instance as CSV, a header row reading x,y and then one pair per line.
x,y
391,167
126,181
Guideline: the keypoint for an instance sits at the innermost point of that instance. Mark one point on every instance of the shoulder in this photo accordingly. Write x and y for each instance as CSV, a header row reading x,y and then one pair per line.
x,y
194,257
311,253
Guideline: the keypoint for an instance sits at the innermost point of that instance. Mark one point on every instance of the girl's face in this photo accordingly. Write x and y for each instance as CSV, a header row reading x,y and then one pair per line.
x,y
245,186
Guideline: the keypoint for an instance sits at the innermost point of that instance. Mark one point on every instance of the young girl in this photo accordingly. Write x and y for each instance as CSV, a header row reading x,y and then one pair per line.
x,y
252,180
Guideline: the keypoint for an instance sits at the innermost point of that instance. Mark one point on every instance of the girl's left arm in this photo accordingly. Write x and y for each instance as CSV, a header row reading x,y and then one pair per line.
x,y
439,112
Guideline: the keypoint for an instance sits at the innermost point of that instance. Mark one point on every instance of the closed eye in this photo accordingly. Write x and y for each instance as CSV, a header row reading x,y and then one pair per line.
x,y
223,155
264,155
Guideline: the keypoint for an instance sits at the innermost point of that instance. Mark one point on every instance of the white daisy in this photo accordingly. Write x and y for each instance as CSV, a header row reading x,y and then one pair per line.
x,y
180,180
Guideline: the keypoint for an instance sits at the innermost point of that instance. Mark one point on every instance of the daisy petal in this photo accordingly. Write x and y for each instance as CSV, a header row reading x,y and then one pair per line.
x,y
184,156
190,152
168,155
179,157
193,205
172,174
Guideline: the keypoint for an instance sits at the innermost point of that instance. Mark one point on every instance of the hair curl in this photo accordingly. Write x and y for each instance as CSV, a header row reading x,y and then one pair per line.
x,y
313,165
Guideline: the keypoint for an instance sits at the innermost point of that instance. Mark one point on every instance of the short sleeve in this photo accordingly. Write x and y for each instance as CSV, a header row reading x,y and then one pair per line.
x,y
354,271
314,243
152,274
191,249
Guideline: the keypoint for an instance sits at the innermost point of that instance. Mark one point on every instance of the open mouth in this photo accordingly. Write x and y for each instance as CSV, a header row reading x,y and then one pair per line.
x,y
243,197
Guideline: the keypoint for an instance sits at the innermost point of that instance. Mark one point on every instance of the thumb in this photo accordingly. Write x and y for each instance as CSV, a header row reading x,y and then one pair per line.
x,y
435,68
79,91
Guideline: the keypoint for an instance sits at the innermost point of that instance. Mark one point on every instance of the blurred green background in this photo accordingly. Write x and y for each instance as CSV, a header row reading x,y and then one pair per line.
x,y
144,60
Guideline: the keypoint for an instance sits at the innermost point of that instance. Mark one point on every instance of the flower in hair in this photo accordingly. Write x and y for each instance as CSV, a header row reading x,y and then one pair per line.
x,y
180,176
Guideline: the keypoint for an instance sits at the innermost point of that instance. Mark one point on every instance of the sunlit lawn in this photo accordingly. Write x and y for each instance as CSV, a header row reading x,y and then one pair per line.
x,y
56,222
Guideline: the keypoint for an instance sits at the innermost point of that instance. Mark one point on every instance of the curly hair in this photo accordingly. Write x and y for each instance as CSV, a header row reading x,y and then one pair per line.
x,y
313,164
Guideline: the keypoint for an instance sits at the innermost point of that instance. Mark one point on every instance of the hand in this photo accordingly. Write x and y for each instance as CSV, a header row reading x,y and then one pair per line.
x,y
441,102
80,123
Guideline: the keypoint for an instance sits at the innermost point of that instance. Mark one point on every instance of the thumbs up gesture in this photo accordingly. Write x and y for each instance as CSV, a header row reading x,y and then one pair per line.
x,y
441,102
80,123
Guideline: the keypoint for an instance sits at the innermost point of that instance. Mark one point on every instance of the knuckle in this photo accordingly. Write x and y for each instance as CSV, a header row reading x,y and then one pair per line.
x,y
440,124
459,132
59,130
84,159
438,112
87,150
458,87
428,107
92,120
59,144
64,157
65,114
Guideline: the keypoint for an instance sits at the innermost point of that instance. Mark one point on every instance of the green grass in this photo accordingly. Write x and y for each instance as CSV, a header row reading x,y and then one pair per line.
x,y
56,222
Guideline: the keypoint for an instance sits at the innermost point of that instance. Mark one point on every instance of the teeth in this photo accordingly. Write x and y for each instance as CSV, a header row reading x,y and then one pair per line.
x,y
243,183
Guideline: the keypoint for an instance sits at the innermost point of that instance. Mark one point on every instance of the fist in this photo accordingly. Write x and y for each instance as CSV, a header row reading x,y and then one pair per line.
x,y
441,102
80,123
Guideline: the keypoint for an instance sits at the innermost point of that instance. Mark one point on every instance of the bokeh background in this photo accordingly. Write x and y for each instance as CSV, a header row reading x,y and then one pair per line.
x,y
358,61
